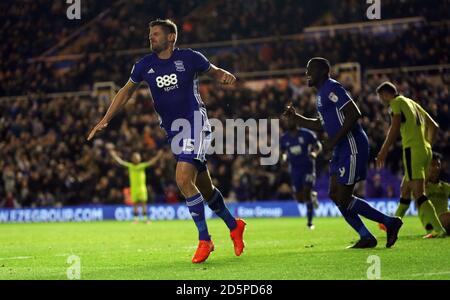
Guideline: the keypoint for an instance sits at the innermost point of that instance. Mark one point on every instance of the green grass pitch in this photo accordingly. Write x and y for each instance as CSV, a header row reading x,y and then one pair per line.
x,y
276,249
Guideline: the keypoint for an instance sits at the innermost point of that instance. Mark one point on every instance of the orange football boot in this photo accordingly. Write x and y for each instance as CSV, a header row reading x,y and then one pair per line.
x,y
237,237
434,234
382,227
203,250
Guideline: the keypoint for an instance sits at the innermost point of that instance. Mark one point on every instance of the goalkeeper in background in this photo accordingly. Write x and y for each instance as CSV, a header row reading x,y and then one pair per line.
x,y
138,187
418,132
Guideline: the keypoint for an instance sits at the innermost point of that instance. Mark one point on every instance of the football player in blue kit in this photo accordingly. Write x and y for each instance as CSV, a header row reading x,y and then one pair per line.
x,y
301,147
338,117
172,75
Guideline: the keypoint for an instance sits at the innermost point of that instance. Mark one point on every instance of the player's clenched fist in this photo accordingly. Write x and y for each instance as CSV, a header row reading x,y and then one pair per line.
x,y
227,78
289,111
381,159
102,124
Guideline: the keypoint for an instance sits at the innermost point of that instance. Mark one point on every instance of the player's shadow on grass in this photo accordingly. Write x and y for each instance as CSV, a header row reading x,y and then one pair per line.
x,y
225,261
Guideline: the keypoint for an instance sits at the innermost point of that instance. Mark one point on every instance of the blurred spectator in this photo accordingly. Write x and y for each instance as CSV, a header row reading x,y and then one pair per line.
x,y
46,160
375,188
105,40
9,201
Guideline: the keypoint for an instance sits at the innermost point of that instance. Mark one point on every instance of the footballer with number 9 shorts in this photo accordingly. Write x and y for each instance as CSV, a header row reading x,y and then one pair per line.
x,y
172,76
338,117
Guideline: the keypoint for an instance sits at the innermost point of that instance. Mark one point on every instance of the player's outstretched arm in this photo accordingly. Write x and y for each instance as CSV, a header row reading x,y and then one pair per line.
x,y
221,75
117,158
117,104
155,159
310,123
393,133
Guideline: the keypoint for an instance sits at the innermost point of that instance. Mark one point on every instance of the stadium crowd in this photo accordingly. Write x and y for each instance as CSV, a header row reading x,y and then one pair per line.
x,y
47,161
412,47
348,11
44,156
30,28
102,40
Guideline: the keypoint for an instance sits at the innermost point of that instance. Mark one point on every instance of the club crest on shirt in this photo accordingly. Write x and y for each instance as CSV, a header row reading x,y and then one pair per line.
x,y
179,66
332,96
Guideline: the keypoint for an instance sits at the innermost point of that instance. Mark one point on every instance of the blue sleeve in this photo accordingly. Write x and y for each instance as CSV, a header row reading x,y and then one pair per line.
x,y
136,74
312,138
200,62
339,96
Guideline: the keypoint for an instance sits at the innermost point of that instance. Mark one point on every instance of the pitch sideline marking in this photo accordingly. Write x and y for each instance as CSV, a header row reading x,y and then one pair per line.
x,y
16,257
430,274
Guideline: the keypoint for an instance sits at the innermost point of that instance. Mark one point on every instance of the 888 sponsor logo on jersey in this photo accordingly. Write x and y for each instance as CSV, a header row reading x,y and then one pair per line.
x,y
168,82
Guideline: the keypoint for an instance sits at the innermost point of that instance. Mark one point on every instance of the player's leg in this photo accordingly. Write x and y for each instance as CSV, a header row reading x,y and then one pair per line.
x,y
416,162
406,185
144,210
344,196
427,212
135,212
297,182
306,198
404,203
216,203
185,176
300,196
134,199
309,182
405,199
141,198
354,168
214,198
361,207
352,219
314,199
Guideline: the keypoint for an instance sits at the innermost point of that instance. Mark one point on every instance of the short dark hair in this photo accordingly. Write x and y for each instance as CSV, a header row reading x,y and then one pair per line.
x,y
387,87
322,63
168,25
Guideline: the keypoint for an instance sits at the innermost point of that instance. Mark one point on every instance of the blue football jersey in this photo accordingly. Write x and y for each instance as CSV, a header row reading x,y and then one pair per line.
x,y
174,84
298,146
331,98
